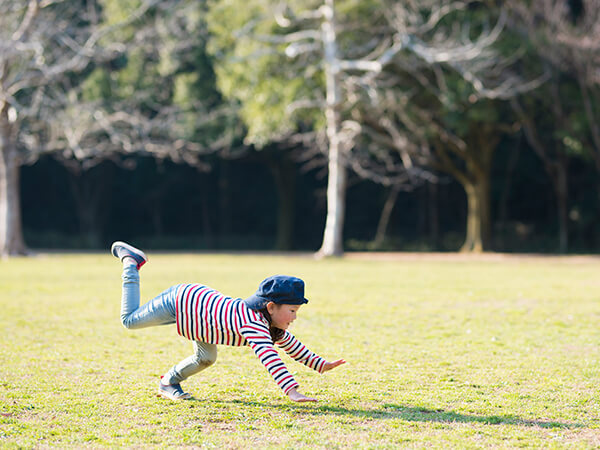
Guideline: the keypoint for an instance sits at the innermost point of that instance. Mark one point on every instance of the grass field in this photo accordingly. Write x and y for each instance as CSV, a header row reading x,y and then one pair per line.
x,y
442,352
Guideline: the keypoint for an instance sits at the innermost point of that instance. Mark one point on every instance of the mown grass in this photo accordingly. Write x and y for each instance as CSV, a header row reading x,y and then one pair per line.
x,y
462,353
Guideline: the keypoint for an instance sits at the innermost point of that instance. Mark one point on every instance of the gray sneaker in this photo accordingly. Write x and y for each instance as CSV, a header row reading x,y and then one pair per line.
x,y
122,250
172,392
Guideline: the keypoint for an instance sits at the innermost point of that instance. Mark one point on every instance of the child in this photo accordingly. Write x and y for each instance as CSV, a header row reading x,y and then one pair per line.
x,y
208,318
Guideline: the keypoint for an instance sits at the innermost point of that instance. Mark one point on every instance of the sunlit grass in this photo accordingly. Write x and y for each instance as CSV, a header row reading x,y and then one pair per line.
x,y
459,353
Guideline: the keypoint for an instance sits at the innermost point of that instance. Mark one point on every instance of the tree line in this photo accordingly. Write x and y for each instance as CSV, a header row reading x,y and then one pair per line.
x,y
404,94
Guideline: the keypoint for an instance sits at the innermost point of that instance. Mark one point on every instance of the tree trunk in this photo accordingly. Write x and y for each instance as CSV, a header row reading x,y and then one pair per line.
x,y
207,229
384,218
225,225
503,207
11,227
483,192
336,183
91,193
11,231
557,169
285,179
336,203
558,174
478,233
433,214
477,187
562,199
473,241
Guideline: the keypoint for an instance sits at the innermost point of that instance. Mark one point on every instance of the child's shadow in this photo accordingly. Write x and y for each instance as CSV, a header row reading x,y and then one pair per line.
x,y
419,414
412,414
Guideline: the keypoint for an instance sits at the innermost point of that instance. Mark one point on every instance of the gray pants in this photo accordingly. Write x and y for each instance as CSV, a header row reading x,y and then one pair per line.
x,y
161,310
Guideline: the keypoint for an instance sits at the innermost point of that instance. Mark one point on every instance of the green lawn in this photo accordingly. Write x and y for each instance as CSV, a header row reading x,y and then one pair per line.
x,y
442,352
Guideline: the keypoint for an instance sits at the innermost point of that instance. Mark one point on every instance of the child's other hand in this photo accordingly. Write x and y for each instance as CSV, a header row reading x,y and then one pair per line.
x,y
332,365
296,396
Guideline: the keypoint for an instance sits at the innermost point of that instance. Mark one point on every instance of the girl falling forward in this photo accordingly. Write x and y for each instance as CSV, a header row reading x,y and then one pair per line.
x,y
209,318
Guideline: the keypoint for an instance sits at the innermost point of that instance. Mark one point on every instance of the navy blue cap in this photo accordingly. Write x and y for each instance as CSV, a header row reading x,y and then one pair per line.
x,y
279,289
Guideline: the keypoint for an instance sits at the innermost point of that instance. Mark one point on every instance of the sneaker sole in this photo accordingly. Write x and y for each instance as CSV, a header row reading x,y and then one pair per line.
x,y
170,397
131,248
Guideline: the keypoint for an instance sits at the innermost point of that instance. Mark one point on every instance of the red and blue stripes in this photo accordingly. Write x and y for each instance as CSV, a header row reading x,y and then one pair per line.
x,y
300,353
206,315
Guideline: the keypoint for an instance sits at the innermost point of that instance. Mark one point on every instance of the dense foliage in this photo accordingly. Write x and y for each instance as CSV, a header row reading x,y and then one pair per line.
x,y
206,127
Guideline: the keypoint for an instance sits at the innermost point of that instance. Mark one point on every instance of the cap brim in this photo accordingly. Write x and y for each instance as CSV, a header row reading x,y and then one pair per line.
x,y
257,302
296,301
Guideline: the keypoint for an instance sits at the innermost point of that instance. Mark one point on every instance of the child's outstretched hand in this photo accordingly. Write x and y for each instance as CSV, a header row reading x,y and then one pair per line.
x,y
296,396
332,365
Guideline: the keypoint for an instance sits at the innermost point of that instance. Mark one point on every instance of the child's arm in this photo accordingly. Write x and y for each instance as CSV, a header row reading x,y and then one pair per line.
x,y
259,340
332,365
300,353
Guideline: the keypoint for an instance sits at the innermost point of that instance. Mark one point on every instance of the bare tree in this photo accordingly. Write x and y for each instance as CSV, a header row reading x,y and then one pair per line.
x,y
359,66
402,135
357,75
322,37
44,108
309,35
568,36
566,39
41,43
416,142
91,133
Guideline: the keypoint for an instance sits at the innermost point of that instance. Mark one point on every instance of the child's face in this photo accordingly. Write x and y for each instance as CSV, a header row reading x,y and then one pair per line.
x,y
282,315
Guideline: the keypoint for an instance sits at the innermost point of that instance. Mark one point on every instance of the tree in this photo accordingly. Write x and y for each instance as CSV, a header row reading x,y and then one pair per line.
x,y
335,65
568,37
437,105
468,159
43,44
419,136
270,86
73,98
559,121
287,72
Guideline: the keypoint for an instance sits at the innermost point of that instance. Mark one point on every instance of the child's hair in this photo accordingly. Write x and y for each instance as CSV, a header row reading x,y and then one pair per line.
x,y
276,333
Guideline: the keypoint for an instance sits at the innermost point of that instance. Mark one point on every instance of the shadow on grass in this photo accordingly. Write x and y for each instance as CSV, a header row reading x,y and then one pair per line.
x,y
418,414
414,414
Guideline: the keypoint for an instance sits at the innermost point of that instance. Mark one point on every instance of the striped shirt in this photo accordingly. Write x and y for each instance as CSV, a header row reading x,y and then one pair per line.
x,y
206,315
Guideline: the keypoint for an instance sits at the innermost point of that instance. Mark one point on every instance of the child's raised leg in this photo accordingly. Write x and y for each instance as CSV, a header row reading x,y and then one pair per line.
x,y
158,311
